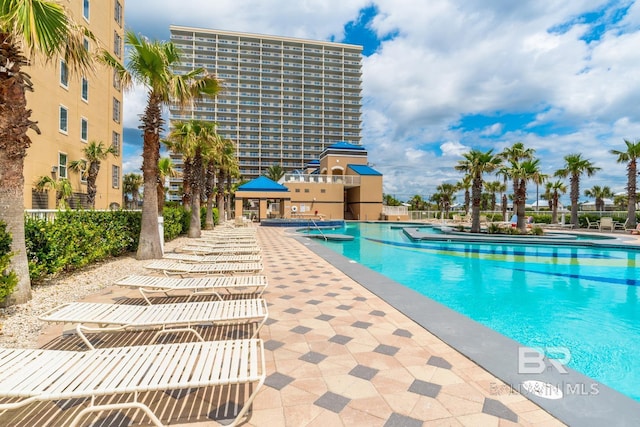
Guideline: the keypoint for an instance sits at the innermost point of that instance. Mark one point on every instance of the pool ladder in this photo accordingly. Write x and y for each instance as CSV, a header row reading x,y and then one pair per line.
x,y
318,228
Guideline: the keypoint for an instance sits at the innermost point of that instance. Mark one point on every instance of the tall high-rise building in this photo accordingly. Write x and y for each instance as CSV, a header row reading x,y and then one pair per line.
x,y
284,99
72,110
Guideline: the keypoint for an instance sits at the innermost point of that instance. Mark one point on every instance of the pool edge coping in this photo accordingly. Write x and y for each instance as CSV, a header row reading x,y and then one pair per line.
x,y
489,349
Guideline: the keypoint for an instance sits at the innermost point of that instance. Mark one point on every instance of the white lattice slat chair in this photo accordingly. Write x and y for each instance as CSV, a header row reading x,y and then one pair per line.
x,y
212,258
168,318
50,375
219,250
170,267
194,286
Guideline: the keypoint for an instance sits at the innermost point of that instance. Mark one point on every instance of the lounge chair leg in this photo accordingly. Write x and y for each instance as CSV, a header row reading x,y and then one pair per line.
x,y
117,406
168,331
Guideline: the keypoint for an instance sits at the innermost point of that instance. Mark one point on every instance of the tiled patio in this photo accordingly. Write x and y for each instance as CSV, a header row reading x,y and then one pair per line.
x,y
336,355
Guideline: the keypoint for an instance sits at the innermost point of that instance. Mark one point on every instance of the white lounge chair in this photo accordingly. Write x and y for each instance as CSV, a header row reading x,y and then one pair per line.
x,y
213,258
195,285
182,268
219,250
30,375
169,318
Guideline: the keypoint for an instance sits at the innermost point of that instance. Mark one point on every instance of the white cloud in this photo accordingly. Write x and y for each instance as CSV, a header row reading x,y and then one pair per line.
x,y
452,58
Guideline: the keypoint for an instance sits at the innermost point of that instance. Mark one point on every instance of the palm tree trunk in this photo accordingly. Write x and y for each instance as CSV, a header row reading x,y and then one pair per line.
x,y
149,246
160,194
521,194
476,195
92,176
631,192
195,226
14,123
554,210
12,213
220,195
209,192
575,194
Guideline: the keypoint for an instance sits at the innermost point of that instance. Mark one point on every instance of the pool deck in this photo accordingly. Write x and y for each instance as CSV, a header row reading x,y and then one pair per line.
x,y
339,355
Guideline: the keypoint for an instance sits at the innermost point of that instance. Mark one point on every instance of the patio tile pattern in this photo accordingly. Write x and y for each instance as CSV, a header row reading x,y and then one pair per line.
x,y
327,365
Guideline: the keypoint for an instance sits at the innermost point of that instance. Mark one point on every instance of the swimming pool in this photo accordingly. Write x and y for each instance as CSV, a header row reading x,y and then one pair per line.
x,y
585,299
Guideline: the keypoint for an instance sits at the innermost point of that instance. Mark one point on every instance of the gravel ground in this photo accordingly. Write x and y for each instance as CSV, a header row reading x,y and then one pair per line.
x,y
20,324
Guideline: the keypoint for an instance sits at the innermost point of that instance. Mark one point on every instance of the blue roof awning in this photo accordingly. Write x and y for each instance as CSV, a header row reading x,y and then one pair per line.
x,y
262,183
364,170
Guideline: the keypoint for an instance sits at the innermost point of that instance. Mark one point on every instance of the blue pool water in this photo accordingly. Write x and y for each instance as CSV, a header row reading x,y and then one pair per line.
x,y
585,299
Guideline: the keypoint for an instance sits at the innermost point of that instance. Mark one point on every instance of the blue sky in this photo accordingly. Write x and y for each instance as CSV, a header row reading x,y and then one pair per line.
x,y
445,76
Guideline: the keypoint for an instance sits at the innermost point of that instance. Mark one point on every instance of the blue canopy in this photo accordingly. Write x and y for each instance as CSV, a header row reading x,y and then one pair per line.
x,y
262,183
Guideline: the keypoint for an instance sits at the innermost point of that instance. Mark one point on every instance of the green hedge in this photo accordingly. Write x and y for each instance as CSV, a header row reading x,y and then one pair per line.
x,y
78,238
8,278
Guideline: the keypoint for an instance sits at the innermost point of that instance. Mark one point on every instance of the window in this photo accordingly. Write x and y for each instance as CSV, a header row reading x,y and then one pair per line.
x,y
62,165
115,142
85,9
117,44
118,13
85,43
84,129
116,80
64,114
85,89
64,74
116,110
115,176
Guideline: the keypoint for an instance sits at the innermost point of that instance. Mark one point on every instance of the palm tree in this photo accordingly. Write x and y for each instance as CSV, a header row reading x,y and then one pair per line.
x,y
554,189
475,164
523,172
29,29
389,200
95,152
228,169
515,154
417,203
539,178
195,140
153,64
165,170
131,184
630,156
599,193
574,166
62,187
275,172
444,196
494,187
465,184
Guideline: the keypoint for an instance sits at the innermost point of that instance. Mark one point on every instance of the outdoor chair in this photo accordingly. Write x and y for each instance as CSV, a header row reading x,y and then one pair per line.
x,y
219,250
195,285
606,222
36,375
170,267
592,224
212,258
168,318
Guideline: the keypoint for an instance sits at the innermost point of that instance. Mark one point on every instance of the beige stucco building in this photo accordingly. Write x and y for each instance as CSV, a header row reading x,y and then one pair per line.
x,y
340,185
72,110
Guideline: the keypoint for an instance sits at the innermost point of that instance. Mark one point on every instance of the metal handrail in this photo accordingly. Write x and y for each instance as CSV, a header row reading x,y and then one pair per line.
x,y
318,228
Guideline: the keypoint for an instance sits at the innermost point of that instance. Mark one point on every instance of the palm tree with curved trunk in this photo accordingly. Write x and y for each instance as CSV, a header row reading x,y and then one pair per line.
x,y
166,170
599,193
575,166
475,164
554,189
95,152
29,30
131,183
153,64
515,154
523,172
630,156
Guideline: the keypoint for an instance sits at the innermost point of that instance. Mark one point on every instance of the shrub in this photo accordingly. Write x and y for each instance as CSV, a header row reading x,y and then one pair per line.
x,y
537,231
8,278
